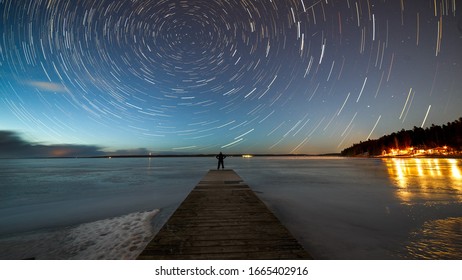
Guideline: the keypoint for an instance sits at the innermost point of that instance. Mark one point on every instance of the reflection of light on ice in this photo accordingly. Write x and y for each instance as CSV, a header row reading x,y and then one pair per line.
x,y
398,171
425,178
419,167
455,169
437,239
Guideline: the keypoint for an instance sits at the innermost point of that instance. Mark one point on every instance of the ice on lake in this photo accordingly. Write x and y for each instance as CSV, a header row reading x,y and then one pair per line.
x,y
338,208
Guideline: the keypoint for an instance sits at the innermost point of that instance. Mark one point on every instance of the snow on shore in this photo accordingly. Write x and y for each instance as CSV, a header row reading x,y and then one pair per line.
x,y
117,238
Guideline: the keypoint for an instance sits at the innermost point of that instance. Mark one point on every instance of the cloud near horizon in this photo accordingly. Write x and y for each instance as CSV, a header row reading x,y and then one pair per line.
x,y
13,146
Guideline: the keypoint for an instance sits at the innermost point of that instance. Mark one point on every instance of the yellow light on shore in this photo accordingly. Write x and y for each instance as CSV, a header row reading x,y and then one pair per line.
x,y
412,151
247,156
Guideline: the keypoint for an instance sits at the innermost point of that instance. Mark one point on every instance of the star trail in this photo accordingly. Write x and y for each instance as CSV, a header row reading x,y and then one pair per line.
x,y
248,76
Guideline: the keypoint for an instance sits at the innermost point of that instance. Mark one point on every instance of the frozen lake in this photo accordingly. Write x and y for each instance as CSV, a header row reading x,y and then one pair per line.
x,y
338,208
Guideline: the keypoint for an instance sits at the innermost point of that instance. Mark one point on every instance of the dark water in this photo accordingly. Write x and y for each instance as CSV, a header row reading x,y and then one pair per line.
x,y
338,208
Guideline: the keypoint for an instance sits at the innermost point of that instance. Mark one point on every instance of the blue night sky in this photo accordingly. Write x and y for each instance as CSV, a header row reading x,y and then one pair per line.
x,y
247,76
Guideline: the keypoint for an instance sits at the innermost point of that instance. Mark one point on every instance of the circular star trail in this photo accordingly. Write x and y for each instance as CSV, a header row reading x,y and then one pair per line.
x,y
294,76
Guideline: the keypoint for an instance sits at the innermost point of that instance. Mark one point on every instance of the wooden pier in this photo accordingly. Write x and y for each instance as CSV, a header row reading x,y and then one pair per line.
x,y
222,218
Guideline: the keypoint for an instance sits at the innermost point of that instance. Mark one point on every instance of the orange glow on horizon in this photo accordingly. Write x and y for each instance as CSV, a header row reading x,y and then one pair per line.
x,y
60,152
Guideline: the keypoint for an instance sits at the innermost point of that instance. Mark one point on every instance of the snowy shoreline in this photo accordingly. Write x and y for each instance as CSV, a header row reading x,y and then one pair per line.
x,y
117,238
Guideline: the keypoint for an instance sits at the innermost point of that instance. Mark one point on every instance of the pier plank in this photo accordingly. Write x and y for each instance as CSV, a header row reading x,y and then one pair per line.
x,y
222,218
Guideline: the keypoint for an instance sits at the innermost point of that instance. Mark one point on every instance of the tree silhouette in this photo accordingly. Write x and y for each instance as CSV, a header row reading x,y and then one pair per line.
x,y
431,137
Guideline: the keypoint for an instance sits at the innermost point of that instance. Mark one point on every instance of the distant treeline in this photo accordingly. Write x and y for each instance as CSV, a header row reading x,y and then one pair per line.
x,y
449,134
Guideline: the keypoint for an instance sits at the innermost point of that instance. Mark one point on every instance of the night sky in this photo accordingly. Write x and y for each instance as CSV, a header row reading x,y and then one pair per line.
x,y
248,76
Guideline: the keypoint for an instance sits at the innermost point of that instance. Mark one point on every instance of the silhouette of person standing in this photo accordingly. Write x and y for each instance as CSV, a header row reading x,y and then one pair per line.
x,y
220,158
